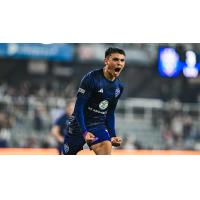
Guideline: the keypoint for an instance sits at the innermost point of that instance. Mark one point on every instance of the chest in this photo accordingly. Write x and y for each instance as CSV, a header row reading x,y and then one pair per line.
x,y
107,90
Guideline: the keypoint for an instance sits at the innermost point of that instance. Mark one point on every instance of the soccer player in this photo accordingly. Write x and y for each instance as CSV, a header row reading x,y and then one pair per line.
x,y
59,126
93,120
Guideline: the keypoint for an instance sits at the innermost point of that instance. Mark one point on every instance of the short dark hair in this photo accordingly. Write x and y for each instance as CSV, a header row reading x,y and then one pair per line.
x,y
111,50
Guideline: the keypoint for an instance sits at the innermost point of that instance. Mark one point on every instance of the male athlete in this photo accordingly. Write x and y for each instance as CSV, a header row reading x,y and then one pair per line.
x,y
93,120
58,129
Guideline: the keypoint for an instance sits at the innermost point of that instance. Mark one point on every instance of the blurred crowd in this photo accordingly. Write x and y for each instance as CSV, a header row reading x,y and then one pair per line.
x,y
180,129
26,119
26,115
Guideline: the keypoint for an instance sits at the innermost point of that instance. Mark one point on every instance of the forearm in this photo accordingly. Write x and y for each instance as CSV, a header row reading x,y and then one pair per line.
x,y
79,113
56,133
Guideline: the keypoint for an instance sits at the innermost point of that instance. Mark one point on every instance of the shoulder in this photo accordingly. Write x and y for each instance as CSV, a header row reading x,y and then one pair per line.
x,y
92,75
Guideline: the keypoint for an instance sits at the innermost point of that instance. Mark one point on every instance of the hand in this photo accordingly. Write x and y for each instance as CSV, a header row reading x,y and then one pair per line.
x,y
89,137
116,141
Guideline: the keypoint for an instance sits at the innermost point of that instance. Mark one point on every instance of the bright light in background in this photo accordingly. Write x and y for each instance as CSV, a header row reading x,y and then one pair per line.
x,y
168,62
190,69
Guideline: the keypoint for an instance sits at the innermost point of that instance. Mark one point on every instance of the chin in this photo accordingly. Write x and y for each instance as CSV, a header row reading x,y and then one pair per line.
x,y
116,75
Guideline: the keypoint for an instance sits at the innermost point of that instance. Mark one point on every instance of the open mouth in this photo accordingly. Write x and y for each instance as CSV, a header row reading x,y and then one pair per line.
x,y
117,69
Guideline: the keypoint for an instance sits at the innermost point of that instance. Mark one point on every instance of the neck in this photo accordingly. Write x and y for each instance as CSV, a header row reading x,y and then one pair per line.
x,y
108,75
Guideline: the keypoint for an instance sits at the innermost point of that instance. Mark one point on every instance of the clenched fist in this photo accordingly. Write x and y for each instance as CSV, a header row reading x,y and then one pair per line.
x,y
89,137
116,141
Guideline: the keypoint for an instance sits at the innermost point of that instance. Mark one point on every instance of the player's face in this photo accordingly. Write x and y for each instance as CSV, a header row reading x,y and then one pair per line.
x,y
115,64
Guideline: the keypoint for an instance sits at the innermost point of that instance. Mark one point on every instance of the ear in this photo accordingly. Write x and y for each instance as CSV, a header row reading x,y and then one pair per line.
x,y
106,61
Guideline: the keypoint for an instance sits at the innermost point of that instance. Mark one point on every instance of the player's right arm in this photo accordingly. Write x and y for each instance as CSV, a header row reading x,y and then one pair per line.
x,y
84,92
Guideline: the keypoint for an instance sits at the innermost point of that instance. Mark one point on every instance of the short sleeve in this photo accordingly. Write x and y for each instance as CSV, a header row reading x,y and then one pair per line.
x,y
86,86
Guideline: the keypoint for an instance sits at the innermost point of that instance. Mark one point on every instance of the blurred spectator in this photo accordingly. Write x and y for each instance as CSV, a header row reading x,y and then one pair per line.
x,y
31,142
168,137
130,142
5,126
37,121
60,125
187,125
177,127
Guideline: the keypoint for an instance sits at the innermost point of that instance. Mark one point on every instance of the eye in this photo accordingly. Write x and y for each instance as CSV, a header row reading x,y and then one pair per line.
x,y
115,59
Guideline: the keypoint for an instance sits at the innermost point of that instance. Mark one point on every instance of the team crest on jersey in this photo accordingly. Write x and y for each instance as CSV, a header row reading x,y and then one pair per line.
x,y
117,92
103,105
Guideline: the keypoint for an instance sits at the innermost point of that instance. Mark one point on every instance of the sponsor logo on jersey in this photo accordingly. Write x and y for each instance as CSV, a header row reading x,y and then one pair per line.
x,y
81,90
101,90
97,111
117,92
103,105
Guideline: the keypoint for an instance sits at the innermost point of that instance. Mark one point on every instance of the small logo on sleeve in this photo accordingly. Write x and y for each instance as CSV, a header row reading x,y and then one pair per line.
x,y
82,91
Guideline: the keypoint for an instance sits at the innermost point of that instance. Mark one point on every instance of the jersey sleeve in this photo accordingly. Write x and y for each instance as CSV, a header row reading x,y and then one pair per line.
x,y
84,93
86,86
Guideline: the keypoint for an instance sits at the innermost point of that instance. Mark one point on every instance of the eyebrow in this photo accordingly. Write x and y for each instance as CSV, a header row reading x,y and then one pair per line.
x,y
116,59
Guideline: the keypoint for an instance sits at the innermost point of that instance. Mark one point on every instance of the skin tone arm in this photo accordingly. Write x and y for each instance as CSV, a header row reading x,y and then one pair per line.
x,y
56,133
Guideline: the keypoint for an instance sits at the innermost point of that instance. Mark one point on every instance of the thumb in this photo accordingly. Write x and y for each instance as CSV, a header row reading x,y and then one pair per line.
x,y
91,135
119,140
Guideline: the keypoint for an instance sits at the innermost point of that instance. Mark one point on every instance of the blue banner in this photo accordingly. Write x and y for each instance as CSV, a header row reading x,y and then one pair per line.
x,y
58,52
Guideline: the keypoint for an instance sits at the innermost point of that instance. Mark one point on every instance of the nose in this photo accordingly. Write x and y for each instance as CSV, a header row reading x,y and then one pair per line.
x,y
119,63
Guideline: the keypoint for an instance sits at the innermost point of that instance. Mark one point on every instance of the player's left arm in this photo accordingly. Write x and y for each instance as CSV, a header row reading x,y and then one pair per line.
x,y
110,122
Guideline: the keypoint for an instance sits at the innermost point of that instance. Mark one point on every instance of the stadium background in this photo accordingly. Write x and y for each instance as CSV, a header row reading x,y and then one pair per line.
x,y
156,112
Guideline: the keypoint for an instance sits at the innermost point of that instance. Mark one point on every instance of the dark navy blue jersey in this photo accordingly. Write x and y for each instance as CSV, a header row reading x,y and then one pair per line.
x,y
97,98
61,122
